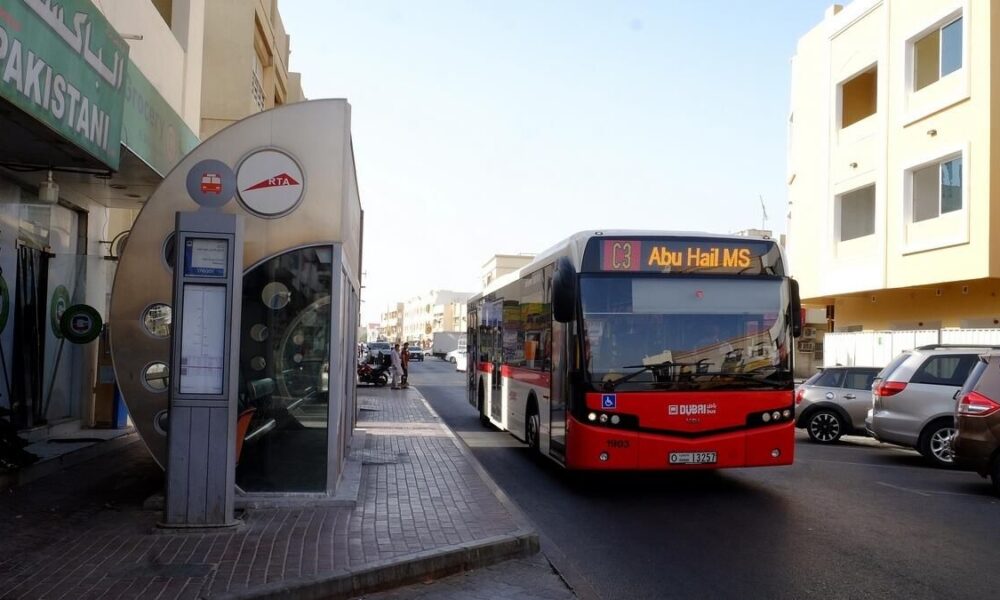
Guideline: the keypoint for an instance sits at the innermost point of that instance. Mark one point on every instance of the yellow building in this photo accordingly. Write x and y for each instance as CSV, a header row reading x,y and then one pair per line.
x,y
890,145
245,62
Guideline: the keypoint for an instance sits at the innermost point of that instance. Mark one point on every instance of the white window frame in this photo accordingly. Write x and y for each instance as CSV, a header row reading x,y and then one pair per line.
x,y
838,212
961,216
959,81
839,116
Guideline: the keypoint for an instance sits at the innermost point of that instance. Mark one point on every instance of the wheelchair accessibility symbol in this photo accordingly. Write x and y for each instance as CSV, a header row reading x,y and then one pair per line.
x,y
609,401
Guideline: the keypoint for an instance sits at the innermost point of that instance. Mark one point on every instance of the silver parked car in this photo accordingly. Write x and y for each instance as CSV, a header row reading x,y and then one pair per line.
x,y
914,399
834,402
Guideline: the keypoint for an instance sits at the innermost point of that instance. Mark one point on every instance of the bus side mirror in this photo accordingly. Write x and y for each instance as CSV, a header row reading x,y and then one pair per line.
x,y
796,308
564,291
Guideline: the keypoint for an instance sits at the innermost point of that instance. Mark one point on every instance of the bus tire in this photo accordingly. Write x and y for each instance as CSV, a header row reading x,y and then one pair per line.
x,y
533,426
483,419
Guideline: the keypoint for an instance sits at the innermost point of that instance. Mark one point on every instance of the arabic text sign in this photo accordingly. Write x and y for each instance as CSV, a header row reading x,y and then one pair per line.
x,y
63,63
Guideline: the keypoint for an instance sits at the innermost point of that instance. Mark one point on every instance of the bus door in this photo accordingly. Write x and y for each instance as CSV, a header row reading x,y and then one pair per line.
x,y
494,338
559,390
496,380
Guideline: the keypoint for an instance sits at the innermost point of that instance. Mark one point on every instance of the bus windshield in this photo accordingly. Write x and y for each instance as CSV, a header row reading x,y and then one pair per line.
x,y
685,333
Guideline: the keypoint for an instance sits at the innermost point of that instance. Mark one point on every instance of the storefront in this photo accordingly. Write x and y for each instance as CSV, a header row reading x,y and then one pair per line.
x,y
85,139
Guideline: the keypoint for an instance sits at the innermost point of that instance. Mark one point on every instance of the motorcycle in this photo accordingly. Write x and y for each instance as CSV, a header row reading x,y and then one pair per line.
x,y
374,374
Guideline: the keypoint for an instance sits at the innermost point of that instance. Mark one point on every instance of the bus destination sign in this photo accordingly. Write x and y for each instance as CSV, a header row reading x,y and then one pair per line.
x,y
753,257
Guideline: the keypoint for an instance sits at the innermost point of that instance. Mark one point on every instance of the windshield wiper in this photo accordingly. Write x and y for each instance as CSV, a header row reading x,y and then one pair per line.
x,y
609,386
744,377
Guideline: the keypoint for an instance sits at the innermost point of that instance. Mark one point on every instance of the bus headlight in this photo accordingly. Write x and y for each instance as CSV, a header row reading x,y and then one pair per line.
x,y
615,419
604,456
766,417
604,418
592,417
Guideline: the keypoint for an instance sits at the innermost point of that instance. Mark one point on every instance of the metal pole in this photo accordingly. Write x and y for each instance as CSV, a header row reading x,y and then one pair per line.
x,y
6,377
52,382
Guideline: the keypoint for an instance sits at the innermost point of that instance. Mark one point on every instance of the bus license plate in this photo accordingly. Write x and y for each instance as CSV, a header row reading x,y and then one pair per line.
x,y
693,458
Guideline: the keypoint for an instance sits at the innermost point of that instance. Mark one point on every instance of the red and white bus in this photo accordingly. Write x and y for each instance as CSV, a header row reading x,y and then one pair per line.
x,y
625,350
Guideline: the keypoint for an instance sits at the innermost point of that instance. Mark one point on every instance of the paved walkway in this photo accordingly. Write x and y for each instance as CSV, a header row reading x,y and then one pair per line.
x,y
425,510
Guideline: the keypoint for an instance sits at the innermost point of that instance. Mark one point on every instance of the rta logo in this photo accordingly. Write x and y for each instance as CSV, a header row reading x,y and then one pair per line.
x,y
282,180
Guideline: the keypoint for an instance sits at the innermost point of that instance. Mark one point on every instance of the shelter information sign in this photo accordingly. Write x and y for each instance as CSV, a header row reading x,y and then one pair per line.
x,y
203,345
206,257
64,64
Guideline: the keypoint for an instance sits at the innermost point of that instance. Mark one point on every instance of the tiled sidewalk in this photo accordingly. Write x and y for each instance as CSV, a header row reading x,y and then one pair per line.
x,y
423,510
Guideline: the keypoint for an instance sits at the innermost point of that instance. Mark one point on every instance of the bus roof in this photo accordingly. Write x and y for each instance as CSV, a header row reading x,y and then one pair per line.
x,y
574,246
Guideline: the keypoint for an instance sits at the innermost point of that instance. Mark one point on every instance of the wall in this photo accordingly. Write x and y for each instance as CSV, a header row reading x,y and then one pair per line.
x,y
159,55
908,129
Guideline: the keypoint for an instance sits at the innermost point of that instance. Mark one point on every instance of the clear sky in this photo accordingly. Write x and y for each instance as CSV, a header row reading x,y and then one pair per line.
x,y
485,127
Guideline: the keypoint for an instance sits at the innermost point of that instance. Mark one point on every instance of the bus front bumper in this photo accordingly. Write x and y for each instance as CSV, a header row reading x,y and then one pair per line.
x,y
605,448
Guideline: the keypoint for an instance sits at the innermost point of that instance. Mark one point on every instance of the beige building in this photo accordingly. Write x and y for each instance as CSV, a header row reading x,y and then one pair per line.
x,y
391,322
437,310
891,161
501,264
245,69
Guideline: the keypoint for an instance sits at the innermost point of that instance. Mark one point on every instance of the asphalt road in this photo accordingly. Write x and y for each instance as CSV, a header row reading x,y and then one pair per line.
x,y
855,520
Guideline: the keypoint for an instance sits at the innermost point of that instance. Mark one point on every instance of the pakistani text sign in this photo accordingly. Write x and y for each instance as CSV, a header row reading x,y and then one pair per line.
x,y
63,63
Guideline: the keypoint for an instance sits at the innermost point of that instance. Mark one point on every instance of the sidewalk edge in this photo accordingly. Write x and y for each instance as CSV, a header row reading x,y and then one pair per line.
x,y
519,515
397,572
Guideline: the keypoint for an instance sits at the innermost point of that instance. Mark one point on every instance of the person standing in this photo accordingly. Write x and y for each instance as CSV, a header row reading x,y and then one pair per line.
x,y
404,360
397,366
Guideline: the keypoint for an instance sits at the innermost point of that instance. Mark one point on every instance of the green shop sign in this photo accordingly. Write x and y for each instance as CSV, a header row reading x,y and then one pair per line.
x,y
63,63
151,129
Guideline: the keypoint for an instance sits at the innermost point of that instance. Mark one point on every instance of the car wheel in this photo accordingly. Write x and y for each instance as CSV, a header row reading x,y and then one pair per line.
x,y
452,360
995,475
825,427
382,380
935,442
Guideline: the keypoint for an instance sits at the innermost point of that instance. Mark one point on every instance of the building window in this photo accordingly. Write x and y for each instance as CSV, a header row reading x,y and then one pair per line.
x,y
936,189
857,213
256,87
859,96
937,54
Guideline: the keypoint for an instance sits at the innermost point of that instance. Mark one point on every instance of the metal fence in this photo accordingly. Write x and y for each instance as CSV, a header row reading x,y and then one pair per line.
x,y
877,348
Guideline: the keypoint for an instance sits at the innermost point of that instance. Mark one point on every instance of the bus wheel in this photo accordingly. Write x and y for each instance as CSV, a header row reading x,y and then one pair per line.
x,y
532,426
483,419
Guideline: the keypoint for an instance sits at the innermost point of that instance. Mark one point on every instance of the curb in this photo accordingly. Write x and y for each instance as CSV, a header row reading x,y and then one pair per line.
x,y
570,576
397,572
523,521
412,568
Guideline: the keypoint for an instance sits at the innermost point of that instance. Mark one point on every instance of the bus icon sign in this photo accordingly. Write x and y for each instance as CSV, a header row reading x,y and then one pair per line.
x,y
609,401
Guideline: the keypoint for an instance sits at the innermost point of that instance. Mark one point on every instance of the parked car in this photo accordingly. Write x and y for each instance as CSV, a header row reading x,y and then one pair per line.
x,y
461,361
378,349
834,402
415,352
914,399
977,420
452,356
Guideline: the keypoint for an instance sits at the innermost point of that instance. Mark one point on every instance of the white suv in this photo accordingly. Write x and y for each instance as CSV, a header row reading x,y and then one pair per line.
x,y
913,399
